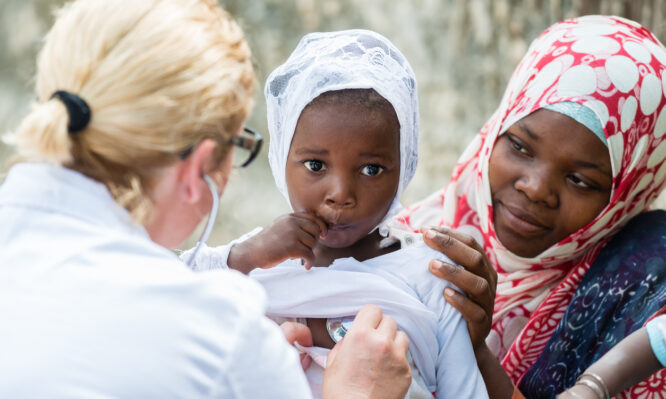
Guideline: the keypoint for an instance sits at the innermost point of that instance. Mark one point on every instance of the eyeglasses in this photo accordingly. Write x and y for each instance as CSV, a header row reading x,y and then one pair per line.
x,y
248,146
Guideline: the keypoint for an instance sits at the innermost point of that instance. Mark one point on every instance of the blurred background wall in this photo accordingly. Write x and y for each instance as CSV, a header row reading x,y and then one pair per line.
x,y
462,51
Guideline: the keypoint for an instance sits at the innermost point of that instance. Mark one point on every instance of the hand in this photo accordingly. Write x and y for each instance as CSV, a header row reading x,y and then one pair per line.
x,y
478,280
296,332
290,236
370,362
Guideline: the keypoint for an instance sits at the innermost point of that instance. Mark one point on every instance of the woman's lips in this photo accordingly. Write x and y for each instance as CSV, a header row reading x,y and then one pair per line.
x,y
520,221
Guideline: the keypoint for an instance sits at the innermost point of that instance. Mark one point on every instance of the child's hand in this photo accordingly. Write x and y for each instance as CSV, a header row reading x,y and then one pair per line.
x,y
291,236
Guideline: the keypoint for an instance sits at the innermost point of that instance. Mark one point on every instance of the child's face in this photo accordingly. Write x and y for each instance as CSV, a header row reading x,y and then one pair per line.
x,y
549,177
344,166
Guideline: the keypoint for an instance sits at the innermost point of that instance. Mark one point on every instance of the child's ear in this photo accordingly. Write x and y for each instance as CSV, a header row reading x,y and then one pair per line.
x,y
191,183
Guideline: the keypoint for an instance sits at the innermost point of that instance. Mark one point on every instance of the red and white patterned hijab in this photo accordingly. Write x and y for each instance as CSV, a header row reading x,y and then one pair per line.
x,y
616,68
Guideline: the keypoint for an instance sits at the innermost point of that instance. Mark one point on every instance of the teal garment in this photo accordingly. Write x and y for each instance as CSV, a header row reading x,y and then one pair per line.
x,y
581,114
656,337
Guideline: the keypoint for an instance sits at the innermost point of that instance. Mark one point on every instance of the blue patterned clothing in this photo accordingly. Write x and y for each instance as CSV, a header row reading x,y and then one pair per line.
x,y
625,286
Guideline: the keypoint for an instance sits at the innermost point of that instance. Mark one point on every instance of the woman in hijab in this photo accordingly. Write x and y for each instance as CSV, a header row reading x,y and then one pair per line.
x,y
555,189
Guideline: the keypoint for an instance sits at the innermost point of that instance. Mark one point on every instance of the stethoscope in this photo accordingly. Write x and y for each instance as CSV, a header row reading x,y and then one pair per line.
x,y
211,219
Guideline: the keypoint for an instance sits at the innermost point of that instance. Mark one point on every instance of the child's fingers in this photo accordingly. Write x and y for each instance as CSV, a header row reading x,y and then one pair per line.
x,y
317,221
307,239
304,252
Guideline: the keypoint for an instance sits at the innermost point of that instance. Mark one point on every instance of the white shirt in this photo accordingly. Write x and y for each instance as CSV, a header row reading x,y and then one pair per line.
x,y
399,283
91,307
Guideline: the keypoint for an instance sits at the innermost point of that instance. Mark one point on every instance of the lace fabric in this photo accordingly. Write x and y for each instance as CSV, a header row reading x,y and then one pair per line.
x,y
329,61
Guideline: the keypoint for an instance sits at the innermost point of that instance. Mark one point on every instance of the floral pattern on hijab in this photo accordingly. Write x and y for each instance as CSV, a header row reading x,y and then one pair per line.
x,y
616,68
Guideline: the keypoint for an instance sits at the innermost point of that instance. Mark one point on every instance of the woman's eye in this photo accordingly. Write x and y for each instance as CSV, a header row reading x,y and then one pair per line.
x,y
517,146
579,182
372,170
314,165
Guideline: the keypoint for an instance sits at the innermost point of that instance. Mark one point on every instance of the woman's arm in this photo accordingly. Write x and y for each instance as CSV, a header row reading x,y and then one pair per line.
x,y
627,363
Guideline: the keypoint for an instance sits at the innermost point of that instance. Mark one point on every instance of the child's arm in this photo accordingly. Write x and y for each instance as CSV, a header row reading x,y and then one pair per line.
x,y
627,363
290,236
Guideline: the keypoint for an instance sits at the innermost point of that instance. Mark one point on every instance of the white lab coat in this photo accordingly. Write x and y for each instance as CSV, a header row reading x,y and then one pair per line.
x,y
91,307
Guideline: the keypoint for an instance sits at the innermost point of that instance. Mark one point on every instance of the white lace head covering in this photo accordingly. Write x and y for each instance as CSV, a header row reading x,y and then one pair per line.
x,y
329,61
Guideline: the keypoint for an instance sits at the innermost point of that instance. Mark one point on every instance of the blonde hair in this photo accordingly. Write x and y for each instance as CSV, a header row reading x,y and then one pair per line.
x,y
158,76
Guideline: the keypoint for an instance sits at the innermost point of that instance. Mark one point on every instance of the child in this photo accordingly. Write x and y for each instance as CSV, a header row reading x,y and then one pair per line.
x,y
343,119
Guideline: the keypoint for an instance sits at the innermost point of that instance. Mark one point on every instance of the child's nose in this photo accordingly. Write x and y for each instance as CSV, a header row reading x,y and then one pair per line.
x,y
538,185
340,194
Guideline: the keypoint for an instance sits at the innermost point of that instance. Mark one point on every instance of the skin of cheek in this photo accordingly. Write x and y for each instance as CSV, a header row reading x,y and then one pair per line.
x,y
351,203
531,170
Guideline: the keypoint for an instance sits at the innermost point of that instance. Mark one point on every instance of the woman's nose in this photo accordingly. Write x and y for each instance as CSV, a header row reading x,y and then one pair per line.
x,y
340,194
538,186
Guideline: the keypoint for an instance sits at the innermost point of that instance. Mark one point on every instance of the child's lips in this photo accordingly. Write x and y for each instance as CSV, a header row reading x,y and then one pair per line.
x,y
331,217
339,227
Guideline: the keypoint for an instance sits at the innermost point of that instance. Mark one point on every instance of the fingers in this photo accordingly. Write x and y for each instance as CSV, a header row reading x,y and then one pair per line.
x,y
388,327
402,342
317,227
370,362
470,310
475,286
369,316
296,332
306,361
461,249
330,358
307,255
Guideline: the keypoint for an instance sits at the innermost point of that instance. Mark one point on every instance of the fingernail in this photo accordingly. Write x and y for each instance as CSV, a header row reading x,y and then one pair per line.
x,y
449,292
430,234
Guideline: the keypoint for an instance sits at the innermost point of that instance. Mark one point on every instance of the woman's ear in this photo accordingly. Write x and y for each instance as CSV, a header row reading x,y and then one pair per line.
x,y
192,170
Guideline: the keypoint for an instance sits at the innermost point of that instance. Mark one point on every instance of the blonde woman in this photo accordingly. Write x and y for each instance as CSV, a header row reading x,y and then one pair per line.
x,y
139,115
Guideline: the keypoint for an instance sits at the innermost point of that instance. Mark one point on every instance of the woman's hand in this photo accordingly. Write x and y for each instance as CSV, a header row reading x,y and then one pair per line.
x,y
296,332
290,236
370,362
478,280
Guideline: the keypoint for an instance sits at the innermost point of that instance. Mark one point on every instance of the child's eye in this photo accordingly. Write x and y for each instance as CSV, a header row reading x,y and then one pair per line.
x,y
372,170
314,165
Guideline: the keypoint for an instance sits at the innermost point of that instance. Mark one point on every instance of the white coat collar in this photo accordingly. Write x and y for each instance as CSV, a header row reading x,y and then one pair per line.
x,y
60,190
